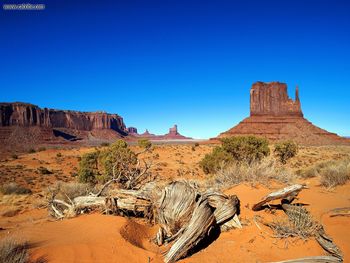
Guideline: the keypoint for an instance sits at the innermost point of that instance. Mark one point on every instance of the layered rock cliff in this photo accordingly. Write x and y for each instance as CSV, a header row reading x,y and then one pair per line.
x,y
24,126
23,114
275,116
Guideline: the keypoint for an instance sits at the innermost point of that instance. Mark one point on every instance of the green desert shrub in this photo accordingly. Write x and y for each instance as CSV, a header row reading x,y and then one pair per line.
x,y
14,189
286,150
243,149
144,143
117,158
88,168
246,148
215,160
100,166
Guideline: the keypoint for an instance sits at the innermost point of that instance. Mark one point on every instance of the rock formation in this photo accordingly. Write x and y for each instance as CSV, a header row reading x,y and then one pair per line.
x,y
172,135
132,130
23,122
275,116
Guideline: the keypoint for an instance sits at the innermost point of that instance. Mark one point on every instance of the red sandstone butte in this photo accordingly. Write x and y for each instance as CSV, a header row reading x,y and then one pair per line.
x,y
277,117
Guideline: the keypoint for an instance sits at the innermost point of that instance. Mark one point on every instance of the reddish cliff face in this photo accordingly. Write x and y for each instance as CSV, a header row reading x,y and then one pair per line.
x,y
22,114
272,99
275,116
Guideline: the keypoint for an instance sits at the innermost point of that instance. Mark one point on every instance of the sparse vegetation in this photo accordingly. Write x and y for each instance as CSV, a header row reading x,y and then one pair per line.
x,y
117,161
245,149
40,149
286,150
12,251
59,155
105,144
331,173
88,169
298,224
256,172
215,160
144,143
14,189
14,156
335,173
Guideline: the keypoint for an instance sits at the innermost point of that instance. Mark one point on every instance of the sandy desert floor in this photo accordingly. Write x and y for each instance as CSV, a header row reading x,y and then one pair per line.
x,y
106,238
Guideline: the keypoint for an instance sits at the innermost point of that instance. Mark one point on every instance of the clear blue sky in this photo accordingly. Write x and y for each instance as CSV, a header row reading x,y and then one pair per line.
x,y
157,63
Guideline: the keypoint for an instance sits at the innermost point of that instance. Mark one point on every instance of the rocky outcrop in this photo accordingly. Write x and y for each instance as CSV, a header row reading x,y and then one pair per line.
x,y
23,114
132,130
272,99
172,135
275,116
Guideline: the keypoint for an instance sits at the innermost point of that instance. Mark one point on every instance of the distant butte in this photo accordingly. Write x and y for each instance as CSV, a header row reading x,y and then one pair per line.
x,y
277,117
173,134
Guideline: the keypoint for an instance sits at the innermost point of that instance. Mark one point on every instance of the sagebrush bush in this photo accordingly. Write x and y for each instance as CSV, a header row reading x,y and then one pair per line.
x,y
68,191
99,166
286,150
144,143
12,251
242,149
14,189
246,148
88,168
215,160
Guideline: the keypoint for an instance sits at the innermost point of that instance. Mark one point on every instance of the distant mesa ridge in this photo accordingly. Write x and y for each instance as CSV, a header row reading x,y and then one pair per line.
x,y
24,125
277,117
25,114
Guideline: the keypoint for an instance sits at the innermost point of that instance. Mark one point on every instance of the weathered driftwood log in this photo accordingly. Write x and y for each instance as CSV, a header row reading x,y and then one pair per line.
x,y
327,244
342,211
128,201
186,216
316,259
287,193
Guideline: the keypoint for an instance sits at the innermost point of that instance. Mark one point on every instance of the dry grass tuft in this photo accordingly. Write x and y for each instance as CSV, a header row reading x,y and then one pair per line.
x,y
14,189
68,191
298,224
335,173
12,251
257,172
331,173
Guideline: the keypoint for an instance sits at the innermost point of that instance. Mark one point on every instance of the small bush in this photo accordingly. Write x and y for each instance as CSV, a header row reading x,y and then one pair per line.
x,y
88,168
44,170
31,150
13,188
40,149
239,149
12,251
14,156
215,160
246,148
334,174
196,144
144,143
66,191
285,150
59,155
105,144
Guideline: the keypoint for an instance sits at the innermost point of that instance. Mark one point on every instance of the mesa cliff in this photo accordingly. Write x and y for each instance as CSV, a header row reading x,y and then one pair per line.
x,y
277,117
173,134
23,123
